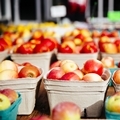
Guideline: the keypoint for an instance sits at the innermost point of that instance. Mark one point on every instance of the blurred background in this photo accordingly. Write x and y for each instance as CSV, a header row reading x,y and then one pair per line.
x,y
32,10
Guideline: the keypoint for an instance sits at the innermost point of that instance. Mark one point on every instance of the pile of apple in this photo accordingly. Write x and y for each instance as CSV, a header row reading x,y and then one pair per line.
x,y
113,106
92,70
27,42
62,111
7,98
10,70
77,41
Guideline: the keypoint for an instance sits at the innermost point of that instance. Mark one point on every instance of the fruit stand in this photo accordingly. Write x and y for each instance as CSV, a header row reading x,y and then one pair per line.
x,y
53,64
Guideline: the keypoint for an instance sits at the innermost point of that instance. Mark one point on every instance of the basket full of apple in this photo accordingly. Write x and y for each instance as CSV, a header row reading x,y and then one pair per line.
x,y
78,46
9,104
65,80
22,78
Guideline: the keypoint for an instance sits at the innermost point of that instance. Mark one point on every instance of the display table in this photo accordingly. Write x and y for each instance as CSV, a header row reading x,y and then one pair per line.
x,y
42,106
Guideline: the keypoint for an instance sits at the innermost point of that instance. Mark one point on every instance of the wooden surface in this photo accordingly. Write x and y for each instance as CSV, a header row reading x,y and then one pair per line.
x,y
42,105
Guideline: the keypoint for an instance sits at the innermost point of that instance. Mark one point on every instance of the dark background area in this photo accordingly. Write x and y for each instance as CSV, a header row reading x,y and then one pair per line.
x,y
27,9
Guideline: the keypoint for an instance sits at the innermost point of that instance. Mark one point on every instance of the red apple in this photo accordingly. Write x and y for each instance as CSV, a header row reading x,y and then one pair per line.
x,y
55,73
11,94
66,49
89,47
1,48
105,33
3,43
55,64
29,71
26,48
114,33
66,111
116,76
117,43
42,117
70,76
108,62
40,48
68,66
79,36
93,66
92,77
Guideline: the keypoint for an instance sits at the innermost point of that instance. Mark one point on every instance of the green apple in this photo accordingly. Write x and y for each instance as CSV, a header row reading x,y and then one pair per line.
x,y
113,103
4,102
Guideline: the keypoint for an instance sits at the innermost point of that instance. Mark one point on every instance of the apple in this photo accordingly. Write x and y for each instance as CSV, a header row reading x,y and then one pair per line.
x,y
77,41
29,71
110,48
114,33
89,47
116,76
37,34
85,32
26,48
11,94
66,111
68,66
55,73
35,41
71,76
1,48
3,43
68,43
79,73
18,41
108,62
40,48
8,74
79,36
113,103
64,49
4,102
117,43
95,34
105,33
55,64
49,43
8,64
92,77
41,117
93,66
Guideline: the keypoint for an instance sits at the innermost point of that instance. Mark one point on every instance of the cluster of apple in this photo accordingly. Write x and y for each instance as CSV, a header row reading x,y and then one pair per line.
x,y
27,42
7,98
77,41
62,111
110,34
9,70
92,70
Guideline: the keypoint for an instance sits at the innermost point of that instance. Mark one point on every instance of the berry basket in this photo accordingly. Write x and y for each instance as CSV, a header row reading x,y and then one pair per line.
x,y
11,112
89,96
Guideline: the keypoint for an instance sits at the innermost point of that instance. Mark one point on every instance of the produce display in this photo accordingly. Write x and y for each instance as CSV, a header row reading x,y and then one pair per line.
x,y
10,70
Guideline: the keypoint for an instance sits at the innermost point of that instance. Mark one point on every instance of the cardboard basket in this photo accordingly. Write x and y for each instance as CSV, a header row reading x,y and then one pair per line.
x,y
27,88
41,60
116,57
3,55
78,58
11,112
89,96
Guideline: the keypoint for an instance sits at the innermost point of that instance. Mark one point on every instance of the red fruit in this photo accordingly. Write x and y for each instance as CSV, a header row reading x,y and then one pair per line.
x,y
93,66
66,111
43,117
29,71
55,73
11,94
70,76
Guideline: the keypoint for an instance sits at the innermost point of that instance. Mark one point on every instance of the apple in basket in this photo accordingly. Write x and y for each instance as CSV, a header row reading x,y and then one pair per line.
x,y
93,66
10,93
116,76
113,103
66,111
4,102
29,71
108,62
